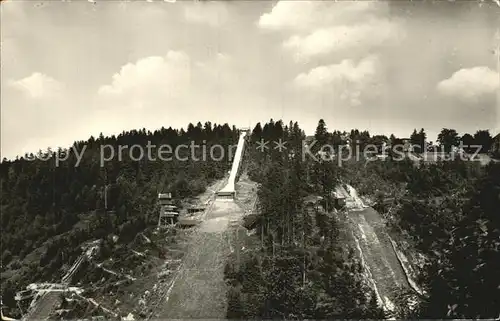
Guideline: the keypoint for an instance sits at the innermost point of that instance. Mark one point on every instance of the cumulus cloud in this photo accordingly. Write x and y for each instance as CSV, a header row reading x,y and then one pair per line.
x,y
305,15
322,27
470,84
38,85
38,111
210,13
149,78
145,93
172,78
338,33
346,79
173,88
288,14
338,38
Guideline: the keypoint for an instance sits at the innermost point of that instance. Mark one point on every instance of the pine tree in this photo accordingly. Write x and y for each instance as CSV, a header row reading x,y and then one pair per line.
x,y
321,134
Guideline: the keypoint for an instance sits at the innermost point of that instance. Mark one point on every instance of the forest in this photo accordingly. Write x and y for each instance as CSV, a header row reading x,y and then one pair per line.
x,y
302,269
302,265
48,211
447,211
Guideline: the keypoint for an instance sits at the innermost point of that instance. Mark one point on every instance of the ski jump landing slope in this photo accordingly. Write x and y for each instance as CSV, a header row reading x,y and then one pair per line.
x,y
229,188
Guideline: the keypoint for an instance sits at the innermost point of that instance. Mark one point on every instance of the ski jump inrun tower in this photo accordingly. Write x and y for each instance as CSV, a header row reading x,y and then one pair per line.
x,y
228,191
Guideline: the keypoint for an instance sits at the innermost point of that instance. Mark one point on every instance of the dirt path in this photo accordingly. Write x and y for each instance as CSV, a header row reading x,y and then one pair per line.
x,y
198,290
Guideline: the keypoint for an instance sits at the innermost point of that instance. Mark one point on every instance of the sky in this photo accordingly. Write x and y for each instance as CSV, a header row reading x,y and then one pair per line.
x,y
72,69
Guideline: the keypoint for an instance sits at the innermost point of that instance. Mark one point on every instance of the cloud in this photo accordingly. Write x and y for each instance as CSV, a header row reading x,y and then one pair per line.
x,y
347,80
39,111
150,77
306,15
167,89
38,86
347,70
470,84
339,38
334,36
145,93
172,78
317,28
210,13
288,15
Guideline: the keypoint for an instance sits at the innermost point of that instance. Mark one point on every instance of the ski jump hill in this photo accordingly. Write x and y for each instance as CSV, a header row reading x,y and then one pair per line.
x,y
228,191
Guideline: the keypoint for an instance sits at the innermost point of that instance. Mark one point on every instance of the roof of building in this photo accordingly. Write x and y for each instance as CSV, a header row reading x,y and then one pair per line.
x,y
188,222
250,220
312,198
340,192
170,213
165,195
196,206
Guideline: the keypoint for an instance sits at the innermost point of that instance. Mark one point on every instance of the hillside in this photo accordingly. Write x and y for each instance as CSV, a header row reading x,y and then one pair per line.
x,y
304,237
50,206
